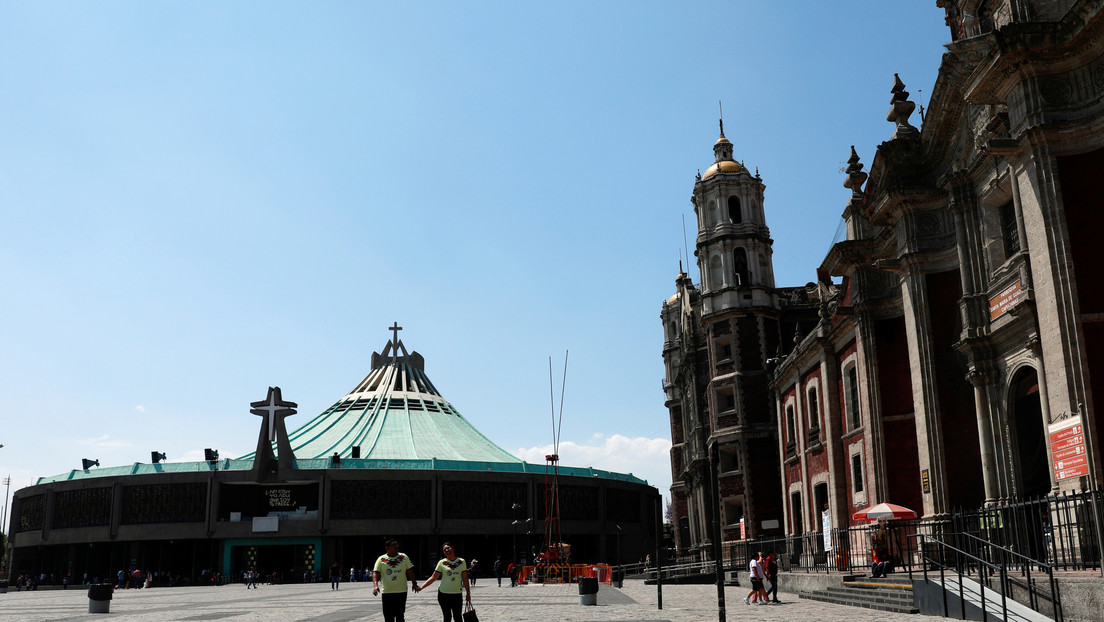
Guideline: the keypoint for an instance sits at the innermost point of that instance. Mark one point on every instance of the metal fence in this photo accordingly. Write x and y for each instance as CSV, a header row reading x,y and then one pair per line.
x,y
1064,531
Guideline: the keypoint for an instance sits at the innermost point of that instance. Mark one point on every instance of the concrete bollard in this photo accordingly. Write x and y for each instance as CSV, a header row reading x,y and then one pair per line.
x,y
99,597
588,591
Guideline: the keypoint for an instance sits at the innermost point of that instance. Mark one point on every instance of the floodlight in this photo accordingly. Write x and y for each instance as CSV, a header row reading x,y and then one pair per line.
x,y
335,459
356,452
210,455
87,464
156,457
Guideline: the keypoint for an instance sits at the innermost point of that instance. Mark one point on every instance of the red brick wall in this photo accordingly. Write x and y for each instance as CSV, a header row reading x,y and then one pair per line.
x,y
958,414
902,464
816,461
731,485
676,425
1082,187
894,379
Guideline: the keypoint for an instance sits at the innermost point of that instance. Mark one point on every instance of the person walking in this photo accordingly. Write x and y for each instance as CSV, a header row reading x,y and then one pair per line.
x,y
251,578
393,569
772,576
498,570
452,571
335,577
755,573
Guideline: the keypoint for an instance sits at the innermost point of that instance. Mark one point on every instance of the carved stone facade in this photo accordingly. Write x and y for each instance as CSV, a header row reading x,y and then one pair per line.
x,y
959,324
717,343
969,318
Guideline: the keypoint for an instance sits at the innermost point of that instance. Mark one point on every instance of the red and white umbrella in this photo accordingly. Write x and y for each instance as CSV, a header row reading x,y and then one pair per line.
x,y
884,510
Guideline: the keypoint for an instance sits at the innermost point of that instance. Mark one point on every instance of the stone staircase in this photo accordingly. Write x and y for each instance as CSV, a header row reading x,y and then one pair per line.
x,y
882,594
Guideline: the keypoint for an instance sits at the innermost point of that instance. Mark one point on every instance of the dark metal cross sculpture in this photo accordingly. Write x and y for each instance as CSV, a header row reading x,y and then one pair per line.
x,y
272,407
395,340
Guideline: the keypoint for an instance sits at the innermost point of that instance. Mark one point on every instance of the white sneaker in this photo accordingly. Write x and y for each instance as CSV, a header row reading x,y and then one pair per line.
x,y
747,600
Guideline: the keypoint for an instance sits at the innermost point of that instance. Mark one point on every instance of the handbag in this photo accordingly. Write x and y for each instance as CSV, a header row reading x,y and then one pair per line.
x,y
469,613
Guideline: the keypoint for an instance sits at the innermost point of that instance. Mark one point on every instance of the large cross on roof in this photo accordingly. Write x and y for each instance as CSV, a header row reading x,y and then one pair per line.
x,y
395,328
272,407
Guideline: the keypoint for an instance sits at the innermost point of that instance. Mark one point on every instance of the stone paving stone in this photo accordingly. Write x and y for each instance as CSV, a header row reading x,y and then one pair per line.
x,y
354,603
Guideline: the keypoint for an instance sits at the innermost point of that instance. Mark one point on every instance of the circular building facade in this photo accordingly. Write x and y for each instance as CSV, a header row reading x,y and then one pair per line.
x,y
392,458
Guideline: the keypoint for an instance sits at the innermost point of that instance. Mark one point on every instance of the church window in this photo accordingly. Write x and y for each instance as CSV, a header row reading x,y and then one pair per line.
x,y
730,459
723,349
734,209
734,512
1009,229
740,266
814,416
726,400
852,381
856,473
716,278
791,432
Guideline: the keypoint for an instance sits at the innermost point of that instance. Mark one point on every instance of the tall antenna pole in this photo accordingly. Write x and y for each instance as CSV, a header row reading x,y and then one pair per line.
x,y
685,244
4,516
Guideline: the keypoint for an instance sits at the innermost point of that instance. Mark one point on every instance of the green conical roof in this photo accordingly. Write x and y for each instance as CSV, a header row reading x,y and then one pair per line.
x,y
394,413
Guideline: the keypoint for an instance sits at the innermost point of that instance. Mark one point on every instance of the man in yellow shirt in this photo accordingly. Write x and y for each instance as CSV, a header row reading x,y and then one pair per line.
x,y
393,569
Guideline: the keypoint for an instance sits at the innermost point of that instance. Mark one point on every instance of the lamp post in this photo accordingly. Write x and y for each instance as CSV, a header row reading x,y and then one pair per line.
x,y
516,507
528,546
618,577
4,515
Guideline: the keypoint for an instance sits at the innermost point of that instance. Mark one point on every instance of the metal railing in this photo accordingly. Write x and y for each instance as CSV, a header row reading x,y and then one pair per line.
x,y
934,553
1015,562
1065,531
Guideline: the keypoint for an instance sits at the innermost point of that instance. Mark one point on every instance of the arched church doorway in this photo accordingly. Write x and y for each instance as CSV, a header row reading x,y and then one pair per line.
x,y
1027,419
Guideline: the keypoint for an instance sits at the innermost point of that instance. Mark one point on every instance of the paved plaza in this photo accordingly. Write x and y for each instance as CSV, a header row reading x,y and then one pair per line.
x,y
354,601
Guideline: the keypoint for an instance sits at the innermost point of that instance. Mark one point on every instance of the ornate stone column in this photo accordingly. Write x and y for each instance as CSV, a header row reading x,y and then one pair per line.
x,y
925,399
982,381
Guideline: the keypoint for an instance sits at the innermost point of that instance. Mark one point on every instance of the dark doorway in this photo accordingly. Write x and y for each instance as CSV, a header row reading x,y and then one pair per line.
x,y
1027,417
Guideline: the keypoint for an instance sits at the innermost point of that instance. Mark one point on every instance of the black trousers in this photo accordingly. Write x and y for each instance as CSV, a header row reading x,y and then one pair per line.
x,y
394,607
450,606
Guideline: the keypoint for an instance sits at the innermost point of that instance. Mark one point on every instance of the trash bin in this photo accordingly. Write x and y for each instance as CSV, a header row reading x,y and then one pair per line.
x,y
618,578
99,597
588,591
3,587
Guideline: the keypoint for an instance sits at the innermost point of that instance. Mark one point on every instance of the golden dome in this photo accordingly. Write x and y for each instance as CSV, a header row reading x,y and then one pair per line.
x,y
673,298
724,166
722,141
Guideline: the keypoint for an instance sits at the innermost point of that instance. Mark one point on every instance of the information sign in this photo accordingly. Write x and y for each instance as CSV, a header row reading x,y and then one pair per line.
x,y
1067,449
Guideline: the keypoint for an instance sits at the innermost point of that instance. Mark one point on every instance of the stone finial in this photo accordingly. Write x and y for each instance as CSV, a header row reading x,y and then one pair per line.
x,y
855,176
698,176
900,109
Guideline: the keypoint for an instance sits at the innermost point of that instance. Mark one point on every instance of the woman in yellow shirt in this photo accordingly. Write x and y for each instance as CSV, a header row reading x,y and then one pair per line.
x,y
452,571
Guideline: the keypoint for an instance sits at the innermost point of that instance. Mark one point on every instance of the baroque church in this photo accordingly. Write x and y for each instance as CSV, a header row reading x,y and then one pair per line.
x,y
950,353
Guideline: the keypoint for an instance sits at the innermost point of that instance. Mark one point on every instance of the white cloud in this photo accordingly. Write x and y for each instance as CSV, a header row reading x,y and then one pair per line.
x,y
646,458
140,408
104,442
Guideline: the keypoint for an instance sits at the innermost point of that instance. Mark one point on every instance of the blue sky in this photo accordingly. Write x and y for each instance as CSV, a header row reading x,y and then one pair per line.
x,y
201,200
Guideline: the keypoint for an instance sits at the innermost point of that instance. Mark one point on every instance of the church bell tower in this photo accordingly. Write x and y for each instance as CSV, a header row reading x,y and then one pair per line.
x,y
733,244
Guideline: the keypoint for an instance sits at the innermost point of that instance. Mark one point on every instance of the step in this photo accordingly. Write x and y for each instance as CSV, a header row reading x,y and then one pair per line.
x,y
865,603
871,595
